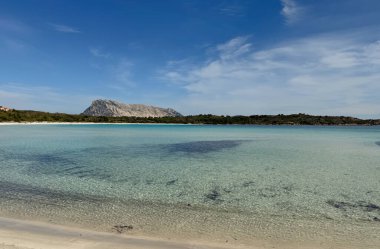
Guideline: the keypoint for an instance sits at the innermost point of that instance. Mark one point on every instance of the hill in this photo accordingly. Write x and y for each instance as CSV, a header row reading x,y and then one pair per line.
x,y
111,108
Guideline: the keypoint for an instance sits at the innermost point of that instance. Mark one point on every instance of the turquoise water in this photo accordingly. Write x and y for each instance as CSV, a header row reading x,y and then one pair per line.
x,y
224,183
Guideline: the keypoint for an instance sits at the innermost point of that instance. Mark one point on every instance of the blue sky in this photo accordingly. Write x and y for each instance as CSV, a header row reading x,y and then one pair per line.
x,y
221,57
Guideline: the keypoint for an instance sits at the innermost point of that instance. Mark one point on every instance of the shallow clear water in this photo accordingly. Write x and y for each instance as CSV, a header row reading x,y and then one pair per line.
x,y
237,182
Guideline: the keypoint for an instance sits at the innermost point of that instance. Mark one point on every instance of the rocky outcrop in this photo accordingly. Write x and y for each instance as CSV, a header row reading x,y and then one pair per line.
x,y
111,108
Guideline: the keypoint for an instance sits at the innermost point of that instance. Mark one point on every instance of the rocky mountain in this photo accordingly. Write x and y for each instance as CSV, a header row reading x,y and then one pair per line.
x,y
111,108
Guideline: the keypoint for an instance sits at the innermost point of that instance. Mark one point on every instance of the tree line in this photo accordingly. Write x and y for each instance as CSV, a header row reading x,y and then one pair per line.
x,y
280,119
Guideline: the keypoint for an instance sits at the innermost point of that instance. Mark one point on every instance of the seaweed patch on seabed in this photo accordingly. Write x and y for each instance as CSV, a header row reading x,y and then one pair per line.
x,y
10,190
172,182
369,209
55,164
214,195
202,147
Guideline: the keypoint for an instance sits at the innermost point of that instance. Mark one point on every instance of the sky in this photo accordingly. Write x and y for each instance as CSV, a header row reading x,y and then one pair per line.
x,y
226,57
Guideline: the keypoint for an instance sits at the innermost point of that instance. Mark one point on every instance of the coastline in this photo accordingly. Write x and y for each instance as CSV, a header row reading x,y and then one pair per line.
x,y
21,234
26,234
185,124
84,123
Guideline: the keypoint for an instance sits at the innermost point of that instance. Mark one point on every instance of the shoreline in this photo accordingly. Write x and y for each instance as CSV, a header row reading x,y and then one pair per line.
x,y
21,234
84,123
188,124
16,233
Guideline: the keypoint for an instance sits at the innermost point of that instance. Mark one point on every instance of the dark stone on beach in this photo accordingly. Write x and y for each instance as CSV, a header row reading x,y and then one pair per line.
x,y
172,182
122,228
376,219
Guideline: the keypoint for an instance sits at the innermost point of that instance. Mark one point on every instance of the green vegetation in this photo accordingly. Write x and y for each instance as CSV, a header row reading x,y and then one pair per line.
x,y
294,119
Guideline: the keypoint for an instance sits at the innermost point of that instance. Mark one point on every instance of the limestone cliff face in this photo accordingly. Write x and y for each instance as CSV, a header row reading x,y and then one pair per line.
x,y
111,108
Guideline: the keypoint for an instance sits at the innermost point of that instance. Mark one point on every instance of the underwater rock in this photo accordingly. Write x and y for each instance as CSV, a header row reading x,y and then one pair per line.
x,y
172,182
247,184
365,206
377,143
339,204
368,206
214,195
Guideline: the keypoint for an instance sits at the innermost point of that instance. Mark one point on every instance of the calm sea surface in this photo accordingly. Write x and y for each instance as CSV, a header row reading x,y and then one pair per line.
x,y
232,184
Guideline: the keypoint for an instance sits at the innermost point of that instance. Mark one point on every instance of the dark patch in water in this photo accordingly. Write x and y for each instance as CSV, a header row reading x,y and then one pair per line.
x,y
377,143
339,204
172,182
109,151
288,188
10,190
369,207
203,147
40,159
56,164
149,181
247,184
52,159
214,195
361,205
227,190
275,191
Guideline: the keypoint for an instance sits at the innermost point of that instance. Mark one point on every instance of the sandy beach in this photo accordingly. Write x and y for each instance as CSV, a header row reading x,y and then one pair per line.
x,y
19,234
22,234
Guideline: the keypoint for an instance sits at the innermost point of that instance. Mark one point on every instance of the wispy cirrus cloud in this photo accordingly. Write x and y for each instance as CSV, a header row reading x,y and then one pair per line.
x,y
97,52
323,74
291,11
14,35
64,28
231,10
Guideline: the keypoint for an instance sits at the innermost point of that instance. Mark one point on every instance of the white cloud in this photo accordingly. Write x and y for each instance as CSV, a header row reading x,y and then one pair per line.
x,y
231,10
326,74
291,11
234,48
99,53
64,28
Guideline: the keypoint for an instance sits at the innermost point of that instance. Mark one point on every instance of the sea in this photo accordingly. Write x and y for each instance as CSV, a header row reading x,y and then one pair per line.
x,y
268,186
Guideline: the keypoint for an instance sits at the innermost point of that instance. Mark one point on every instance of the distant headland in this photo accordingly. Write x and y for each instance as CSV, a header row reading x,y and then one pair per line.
x,y
110,111
112,108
